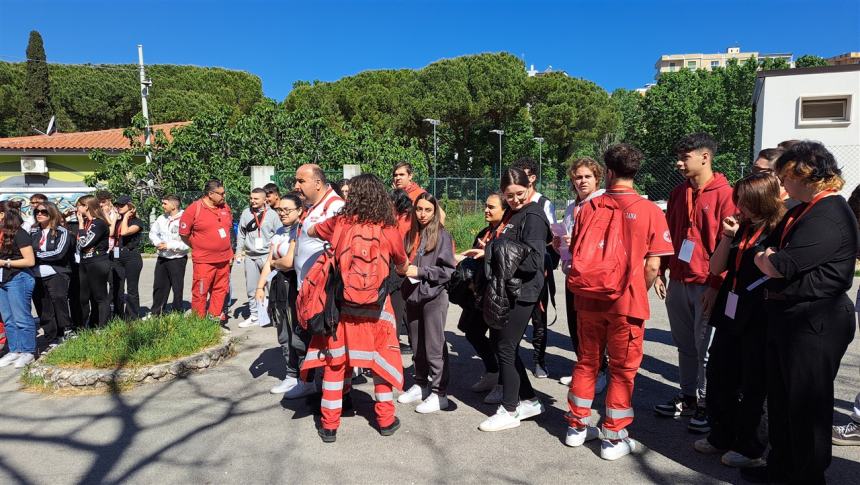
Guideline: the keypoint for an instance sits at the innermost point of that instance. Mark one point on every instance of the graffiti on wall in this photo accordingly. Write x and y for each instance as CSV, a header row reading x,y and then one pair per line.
x,y
64,200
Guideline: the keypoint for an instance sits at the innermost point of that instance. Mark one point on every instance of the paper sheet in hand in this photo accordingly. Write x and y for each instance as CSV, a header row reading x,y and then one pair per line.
x,y
558,229
263,312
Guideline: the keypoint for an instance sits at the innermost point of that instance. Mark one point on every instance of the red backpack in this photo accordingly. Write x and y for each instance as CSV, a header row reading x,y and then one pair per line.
x,y
364,264
600,267
316,305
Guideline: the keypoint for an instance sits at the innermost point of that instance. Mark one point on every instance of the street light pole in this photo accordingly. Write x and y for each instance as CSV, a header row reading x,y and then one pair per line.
x,y
500,133
435,123
540,158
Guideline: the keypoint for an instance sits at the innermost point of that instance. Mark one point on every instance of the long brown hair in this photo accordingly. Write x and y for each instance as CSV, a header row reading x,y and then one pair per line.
x,y
12,221
93,207
430,232
55,218
759,193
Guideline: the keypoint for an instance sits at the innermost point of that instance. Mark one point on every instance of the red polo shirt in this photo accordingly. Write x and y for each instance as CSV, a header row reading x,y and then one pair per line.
x,y
646,234
208,229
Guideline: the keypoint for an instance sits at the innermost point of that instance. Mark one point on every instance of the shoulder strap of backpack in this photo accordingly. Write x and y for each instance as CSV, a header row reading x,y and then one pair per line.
x,y
329,202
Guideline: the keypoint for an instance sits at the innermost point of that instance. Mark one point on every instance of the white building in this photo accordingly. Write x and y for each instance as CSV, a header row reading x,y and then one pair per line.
x,y
815,103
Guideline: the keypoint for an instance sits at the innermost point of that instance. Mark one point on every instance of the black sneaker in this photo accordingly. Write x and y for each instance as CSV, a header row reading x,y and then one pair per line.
x,y
680,405
846,435
699,422
327,435
391,428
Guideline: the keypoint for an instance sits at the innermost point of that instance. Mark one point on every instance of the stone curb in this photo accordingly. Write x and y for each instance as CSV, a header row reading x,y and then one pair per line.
x,y
65,378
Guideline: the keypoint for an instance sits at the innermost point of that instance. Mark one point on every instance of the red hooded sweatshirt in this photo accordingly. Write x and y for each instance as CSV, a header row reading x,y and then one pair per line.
x,y
710,205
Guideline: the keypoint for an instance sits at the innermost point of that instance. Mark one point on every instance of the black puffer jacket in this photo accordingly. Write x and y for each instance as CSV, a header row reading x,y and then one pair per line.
x,y
502,258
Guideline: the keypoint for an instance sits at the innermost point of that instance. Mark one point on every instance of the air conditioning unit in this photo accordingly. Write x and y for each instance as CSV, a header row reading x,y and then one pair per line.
x,y
33,165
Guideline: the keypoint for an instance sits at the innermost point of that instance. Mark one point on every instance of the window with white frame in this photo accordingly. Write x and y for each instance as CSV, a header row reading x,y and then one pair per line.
x,y
824,110
715,64
692,65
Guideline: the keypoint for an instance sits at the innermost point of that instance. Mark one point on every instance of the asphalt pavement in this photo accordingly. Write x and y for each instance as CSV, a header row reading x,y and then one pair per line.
x,y
222,426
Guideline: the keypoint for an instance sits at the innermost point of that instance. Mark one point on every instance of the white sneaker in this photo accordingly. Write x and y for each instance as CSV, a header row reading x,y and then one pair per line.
x,y
486,382
285,385
576,437
301,389
413,394
600,385
615,449
705,447
529,409
433,403
249,322
9,358
566,380
500,421
24,359
540,372
737,460
495,396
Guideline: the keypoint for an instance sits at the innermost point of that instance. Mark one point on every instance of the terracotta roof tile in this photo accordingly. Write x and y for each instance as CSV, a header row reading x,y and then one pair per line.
x,y
85,140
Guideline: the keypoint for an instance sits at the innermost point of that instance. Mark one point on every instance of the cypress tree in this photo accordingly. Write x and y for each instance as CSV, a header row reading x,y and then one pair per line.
x,y
36,107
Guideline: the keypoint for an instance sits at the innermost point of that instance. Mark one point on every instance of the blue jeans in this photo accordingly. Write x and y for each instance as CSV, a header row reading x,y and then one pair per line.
x,y
15,297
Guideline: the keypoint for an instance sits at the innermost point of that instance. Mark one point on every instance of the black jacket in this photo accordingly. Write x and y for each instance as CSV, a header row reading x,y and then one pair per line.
x,y
57,245
502,259
530,226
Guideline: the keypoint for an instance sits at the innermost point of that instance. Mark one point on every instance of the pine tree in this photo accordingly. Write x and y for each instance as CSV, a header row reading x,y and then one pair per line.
x,y
36,107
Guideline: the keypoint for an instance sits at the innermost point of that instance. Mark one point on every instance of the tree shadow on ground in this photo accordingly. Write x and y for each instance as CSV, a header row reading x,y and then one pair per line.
x,y
109,461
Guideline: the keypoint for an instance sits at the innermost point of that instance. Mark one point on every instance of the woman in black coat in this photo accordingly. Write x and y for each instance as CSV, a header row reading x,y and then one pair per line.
x,y
810,261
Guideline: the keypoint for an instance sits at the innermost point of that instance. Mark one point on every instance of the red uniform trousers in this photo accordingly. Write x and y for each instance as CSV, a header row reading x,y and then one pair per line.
x,y
622,337
336,383
366,337
212,280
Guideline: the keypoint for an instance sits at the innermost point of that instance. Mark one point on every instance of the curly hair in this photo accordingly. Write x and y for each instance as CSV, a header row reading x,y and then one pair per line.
x,y
811,163
368,202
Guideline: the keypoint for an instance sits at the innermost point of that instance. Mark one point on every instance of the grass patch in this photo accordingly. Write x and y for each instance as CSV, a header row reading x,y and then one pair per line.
x,y
137,343
464,227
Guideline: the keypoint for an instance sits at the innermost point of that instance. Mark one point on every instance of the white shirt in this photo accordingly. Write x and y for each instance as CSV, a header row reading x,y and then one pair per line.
x,y
45,270
281,240
569,221
309,248
166,230
548,207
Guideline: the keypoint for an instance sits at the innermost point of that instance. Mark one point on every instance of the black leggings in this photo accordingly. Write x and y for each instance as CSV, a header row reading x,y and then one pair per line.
x,y
472,324
571,321
126,276
515,381
93,280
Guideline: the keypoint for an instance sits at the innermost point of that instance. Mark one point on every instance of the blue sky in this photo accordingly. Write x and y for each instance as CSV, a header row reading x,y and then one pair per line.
x,y
614,43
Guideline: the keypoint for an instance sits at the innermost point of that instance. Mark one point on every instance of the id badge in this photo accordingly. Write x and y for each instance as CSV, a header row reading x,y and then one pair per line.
x,y
222,233
686,252
78,258
731,304
258,244
115,252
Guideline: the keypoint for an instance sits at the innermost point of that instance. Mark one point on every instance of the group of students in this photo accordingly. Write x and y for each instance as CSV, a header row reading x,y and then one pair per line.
x,y
756,291
76,267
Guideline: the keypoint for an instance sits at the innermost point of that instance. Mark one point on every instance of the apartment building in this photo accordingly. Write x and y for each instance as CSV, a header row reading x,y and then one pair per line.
x,y
676,62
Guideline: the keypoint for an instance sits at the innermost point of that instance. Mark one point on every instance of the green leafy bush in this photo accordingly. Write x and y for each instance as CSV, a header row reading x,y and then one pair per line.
x,y
141,342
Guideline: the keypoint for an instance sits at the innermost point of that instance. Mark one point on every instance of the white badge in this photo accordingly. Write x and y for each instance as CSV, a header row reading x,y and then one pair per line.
x,y
222,233
78,258
1,274
731,304
686,252
258,244
116,252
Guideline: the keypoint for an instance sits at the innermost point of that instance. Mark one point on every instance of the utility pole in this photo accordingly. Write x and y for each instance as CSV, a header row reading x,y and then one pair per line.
x,y
144,94
540,159
500,133
435,123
